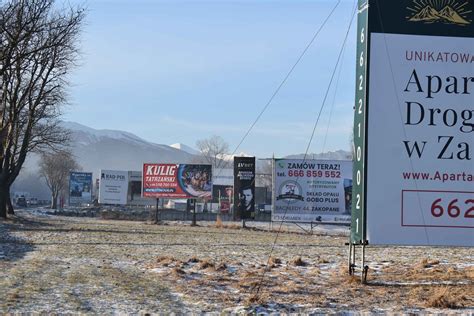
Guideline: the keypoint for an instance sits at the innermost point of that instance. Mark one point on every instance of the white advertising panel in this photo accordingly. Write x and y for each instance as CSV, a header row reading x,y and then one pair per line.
x,y
312,190
113,186
420,167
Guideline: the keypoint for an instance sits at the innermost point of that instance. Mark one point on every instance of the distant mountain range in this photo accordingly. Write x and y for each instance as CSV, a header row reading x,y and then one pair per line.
x,y
447,14
112,149
119,150
330,155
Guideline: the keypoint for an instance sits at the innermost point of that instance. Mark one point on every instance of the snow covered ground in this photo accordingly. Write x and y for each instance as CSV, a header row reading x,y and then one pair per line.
x,y
86,265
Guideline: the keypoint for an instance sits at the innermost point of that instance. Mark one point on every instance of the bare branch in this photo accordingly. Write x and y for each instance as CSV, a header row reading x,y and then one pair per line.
x,y
38,50
214,149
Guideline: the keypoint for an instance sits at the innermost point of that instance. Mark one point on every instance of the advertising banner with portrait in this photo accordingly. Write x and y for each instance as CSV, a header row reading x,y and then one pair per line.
x,y
222,194
180,181
113,187
312,190
80,187
244,187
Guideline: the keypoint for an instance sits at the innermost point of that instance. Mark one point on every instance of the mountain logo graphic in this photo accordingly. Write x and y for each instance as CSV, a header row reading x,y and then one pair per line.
x,y
440,11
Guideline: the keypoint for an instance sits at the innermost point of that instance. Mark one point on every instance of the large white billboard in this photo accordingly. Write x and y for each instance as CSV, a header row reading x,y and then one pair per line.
x,y
312,190
113,187
420,167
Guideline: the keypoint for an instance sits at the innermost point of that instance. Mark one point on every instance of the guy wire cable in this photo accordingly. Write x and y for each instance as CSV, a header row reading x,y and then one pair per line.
x,y
283,81
287,76
330,82
304,159
333,101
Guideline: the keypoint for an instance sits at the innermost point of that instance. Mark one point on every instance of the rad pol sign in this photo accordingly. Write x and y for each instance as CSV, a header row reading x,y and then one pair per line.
x,y
113,187
414,123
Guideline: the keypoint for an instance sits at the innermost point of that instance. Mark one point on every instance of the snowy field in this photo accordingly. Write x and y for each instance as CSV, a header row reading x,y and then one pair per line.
x,y
85,265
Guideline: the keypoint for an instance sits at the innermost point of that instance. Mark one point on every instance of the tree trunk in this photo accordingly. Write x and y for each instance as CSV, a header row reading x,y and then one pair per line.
x,y
3,201
10,209
54,201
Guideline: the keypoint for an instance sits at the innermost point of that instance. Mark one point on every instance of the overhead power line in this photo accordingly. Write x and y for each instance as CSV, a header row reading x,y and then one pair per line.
x,y
309,144
286,77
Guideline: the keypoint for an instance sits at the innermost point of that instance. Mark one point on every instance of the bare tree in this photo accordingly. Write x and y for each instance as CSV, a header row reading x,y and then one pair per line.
x,y
213,149
38,50
55,168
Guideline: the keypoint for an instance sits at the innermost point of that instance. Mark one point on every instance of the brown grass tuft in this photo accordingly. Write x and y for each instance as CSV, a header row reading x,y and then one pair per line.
x,y
219,223
314,272
193,259
256,299
206,264
323,261
470,272
221,266
250,273
352,279
426,263
443,298
249,283
178,271
274,261
232,226
298,262
165,260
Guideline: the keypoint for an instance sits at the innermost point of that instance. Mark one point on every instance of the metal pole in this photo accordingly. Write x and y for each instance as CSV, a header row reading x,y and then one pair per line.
x,y
353,258
363,278
350,258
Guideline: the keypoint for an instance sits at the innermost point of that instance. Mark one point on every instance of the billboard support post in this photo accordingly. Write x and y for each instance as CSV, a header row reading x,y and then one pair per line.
x,y
157,214
194,214
350,263
365,268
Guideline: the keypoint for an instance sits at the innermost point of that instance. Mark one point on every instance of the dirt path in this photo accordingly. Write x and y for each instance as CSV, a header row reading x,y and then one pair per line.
x,y
83,265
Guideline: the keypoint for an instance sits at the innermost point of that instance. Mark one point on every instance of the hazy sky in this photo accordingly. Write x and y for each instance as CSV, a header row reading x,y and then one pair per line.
x,y
179,71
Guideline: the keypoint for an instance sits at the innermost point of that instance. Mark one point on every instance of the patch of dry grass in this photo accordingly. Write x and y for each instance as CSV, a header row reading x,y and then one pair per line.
x,y
426,263
298,262
206,264
444,298
177,271
193,259
273,261
118,262
219,223
221,266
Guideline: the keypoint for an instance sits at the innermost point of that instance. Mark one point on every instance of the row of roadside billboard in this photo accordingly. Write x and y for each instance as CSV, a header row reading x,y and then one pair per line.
x,y
304,190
